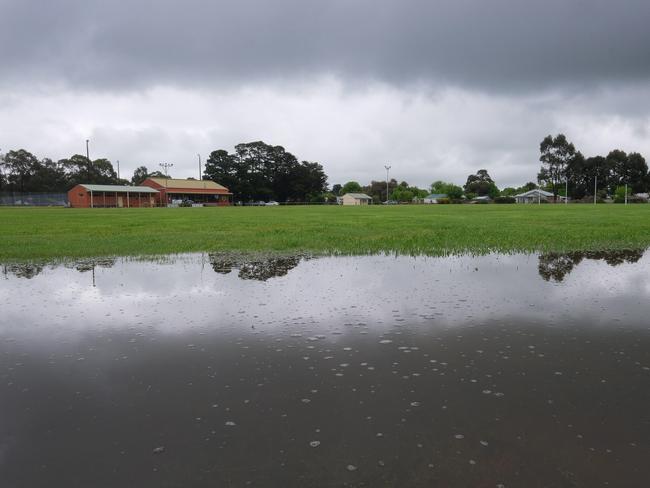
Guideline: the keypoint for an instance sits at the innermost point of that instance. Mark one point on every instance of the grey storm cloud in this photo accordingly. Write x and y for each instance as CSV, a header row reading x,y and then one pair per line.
x,y
439,89
493,45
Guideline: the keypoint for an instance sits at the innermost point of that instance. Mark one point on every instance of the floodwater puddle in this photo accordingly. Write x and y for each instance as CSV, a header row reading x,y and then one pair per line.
x,y
222,370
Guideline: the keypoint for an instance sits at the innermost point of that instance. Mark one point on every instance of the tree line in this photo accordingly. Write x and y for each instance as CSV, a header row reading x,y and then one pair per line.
x,y
477,185
603,175
255,171
562,167
21,171
259,171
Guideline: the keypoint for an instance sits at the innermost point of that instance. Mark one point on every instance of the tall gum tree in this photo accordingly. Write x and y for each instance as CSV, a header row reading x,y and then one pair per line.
x,y
556,154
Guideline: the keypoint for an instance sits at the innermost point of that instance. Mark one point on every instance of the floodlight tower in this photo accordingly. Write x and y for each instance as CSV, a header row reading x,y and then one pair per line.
x,y
166,166
387,167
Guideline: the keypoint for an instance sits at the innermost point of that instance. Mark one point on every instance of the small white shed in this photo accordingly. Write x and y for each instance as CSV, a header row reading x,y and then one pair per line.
x,y
355,199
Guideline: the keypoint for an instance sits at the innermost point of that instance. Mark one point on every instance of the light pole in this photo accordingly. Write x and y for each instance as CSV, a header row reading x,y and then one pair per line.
x,y
595,187
166,166
87,150
118,169
566,190
200,173
387,170
2,169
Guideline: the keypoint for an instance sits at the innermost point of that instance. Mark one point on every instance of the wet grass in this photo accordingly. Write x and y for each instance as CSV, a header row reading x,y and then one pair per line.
x,y
49,233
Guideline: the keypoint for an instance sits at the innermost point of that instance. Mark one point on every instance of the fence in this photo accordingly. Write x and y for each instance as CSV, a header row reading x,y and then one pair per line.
x,y
33,199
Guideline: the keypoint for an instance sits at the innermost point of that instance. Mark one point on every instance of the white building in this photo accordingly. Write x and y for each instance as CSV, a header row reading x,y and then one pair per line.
x,y
355,199
536,196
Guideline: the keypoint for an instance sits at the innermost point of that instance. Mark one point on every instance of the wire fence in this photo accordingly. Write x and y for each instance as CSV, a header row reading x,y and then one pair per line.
x,y
33,199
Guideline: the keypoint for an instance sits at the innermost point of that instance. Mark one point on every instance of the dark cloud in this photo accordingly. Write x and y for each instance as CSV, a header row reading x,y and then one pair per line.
x,y
481,44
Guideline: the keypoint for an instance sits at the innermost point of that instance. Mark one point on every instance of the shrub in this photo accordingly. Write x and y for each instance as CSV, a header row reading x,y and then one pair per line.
x,y
630,199
444,201
505,200
590,199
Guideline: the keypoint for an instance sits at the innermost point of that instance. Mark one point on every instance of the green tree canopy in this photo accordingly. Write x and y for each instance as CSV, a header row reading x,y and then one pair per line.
x,y
139,175
377,189
481,184
627,169
556,154
454,192
259,171
351,187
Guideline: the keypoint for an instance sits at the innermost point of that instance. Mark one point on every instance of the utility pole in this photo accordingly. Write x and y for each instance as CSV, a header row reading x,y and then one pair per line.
x,y
625,193
387,170
595,187
200,173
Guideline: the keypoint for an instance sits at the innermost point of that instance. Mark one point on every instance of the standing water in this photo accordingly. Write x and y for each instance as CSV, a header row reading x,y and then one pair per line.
x,y
214,370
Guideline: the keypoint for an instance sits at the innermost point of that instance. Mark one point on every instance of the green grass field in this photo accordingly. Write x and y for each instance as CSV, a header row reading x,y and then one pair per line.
x,y
47,233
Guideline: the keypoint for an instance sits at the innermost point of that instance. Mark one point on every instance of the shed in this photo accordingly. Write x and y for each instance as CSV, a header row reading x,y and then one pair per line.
x,y
92,196
355,199
206,192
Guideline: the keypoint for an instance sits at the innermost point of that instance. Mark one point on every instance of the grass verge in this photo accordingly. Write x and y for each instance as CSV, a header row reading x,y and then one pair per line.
x,y
51,233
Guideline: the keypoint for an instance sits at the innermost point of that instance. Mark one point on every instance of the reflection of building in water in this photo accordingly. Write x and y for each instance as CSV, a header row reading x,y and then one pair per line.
x,y
254,268
556,266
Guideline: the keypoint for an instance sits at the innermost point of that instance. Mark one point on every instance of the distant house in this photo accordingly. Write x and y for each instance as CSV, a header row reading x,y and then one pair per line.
x,y
355,199
434,197
537,195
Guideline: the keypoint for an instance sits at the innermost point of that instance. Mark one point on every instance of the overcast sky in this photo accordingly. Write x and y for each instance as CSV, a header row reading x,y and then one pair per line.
x,y
437,89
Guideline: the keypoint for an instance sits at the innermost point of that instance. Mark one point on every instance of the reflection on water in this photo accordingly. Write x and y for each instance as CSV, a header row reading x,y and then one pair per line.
x,y
552,266
254,268
353,371
89,264
22,270
556,266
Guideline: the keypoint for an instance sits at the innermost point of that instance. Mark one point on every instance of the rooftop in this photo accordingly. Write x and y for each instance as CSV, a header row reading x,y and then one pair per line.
x,y
361,196
119,188
535,191
188,184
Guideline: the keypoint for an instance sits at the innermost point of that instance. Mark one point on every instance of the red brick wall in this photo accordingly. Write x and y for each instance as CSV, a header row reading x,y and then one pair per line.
x,y
79,197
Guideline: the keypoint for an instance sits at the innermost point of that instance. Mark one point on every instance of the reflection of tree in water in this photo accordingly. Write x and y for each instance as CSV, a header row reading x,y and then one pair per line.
x,y
31,270
254,268
25,270
555,266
